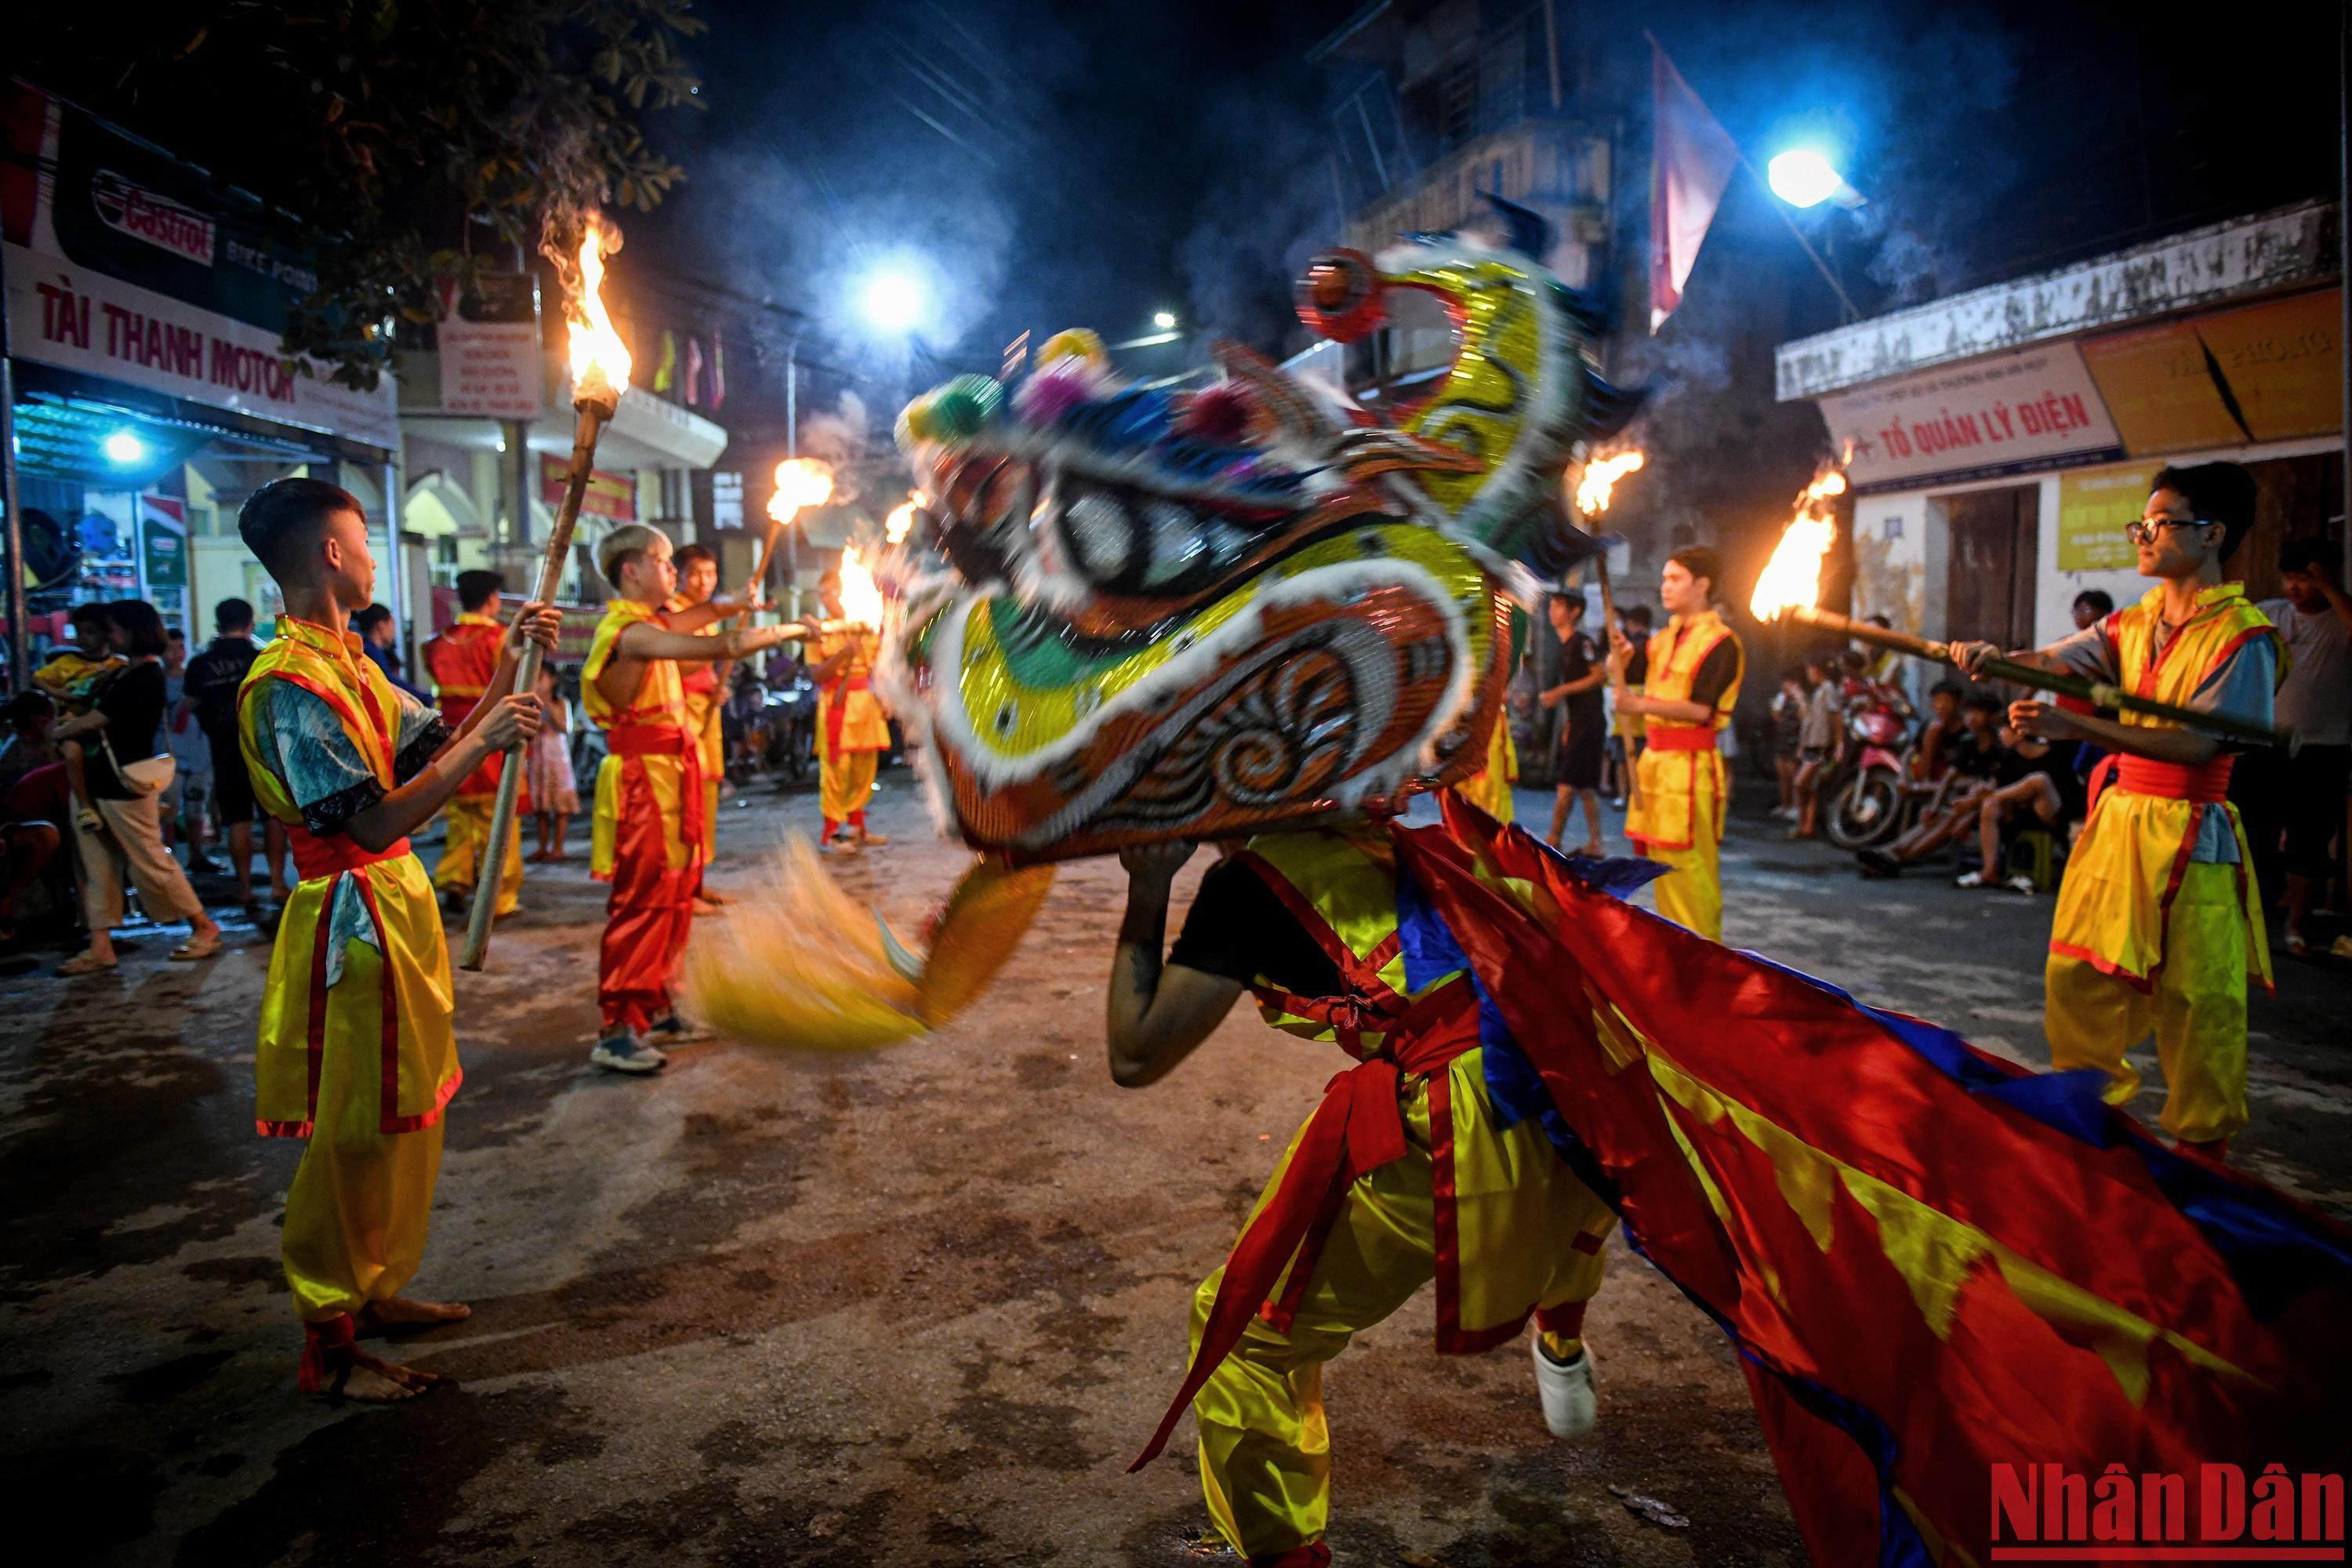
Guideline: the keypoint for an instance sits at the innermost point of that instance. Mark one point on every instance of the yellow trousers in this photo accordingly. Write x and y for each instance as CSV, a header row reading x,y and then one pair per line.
x,y
1690,893
1266,1452
461,856
355,1218
2197,1009
846,784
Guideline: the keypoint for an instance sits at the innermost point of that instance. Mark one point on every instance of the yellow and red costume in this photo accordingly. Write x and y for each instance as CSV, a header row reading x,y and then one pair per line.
x,y
852,731
1406,1172
1489,789
462,659
2158,919
698,686
1680,786
357,1053
648,833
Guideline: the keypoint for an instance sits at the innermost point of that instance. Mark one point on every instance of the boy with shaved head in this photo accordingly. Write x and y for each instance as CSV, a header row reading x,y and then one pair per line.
x,y
357,1051
463,659
648,837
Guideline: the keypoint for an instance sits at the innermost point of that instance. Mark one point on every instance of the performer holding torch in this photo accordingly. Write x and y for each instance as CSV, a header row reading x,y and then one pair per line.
x,y
2158,919
648,840
1680,789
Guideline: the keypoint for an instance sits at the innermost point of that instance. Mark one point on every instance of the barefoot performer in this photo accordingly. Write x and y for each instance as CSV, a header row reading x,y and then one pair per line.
x,y
2158,919
357,1052
702,685
462,659
1681,791
648,840
852,732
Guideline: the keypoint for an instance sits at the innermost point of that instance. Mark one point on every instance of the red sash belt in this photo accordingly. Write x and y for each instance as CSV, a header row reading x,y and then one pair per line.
x,y
317,855
2207,783
1357,1129
1682,738
666,740
834,692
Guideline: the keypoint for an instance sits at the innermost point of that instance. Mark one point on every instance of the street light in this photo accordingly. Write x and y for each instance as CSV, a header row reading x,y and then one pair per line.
x,y
893,301
1804,177
123,448
1163,320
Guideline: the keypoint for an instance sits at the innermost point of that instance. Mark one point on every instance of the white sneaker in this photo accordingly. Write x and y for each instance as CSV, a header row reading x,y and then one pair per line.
x,y
1571,1408
624,1052
1969,879
678,1029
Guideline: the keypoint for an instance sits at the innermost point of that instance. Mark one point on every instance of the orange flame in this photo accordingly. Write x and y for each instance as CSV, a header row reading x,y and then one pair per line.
x,y
901,520
861,600
1792,578
801,482
1600,479
600,360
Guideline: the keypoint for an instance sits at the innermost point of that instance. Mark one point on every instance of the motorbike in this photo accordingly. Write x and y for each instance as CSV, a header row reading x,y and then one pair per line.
x,y
1866,792
789,718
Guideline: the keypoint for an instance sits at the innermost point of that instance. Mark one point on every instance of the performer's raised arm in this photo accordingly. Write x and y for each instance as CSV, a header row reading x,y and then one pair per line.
x,y
1157,1012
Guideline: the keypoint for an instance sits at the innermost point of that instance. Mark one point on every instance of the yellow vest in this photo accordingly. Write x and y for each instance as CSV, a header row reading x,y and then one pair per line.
x,y
1670,779
2126,864
1342,889
658,703
396,1016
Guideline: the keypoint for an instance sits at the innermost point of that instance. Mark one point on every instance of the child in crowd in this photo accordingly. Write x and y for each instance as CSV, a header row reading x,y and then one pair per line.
x,y
1788,736
553,789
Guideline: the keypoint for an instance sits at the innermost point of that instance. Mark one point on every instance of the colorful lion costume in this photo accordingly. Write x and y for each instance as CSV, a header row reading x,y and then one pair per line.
x,y
1201,614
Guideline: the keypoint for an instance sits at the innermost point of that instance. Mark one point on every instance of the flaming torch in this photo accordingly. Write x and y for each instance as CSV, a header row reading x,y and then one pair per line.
x,y
1792,583
600,373
1593,490
801,483
901,520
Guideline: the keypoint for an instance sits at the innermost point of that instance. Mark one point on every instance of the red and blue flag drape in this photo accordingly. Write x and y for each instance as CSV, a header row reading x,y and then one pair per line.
x,y
1931,1260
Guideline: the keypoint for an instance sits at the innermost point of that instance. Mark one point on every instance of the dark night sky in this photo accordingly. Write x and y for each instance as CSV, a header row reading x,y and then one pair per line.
x,y
1056,163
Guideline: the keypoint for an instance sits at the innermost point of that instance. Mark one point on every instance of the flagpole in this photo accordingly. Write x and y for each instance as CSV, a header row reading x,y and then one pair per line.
x,y
1845,302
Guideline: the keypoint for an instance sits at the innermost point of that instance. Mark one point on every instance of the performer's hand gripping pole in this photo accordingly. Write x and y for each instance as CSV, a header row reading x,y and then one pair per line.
x,y
2097,693
594,414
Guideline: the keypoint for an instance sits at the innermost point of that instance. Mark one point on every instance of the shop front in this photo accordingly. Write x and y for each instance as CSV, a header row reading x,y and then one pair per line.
x,y
1999,441
145,320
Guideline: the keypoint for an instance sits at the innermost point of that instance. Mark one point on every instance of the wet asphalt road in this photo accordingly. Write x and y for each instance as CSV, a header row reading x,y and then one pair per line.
x,y
916,1307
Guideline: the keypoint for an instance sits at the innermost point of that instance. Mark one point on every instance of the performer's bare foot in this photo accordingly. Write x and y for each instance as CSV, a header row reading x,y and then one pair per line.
x,y
704,904
1592,850
373,1380
865,839
395,1313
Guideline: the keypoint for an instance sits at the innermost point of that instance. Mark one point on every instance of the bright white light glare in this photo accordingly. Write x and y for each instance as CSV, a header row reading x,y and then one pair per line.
x,y
1802,177
1163,320
124,449
893,301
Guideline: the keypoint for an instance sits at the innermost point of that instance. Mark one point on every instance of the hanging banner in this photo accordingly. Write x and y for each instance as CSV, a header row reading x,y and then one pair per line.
x,y
2271,372
609,495
2095,507
489,351
1991,416
163,542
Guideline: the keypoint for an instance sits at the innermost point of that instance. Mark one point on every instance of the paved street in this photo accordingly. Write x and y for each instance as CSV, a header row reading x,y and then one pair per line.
x,y
916,1307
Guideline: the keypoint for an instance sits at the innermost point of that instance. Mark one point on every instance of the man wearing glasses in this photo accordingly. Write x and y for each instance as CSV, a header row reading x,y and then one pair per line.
x,y
2158,919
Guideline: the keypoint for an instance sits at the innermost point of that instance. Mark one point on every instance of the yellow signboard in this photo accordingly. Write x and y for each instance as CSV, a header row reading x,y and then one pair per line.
x,y
2094,507
2271,371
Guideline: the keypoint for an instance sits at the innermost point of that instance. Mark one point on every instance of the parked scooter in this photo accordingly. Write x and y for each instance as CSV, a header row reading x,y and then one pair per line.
x,y
1867,793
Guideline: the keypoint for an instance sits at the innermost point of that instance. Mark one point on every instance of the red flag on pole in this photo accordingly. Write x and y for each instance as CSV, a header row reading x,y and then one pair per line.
x,y
1691,161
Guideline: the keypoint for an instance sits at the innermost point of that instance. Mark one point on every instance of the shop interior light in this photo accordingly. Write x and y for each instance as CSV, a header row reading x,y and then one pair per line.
x,y
123,448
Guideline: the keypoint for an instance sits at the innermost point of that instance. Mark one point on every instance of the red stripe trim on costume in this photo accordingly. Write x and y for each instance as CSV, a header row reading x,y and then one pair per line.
x,y
282,1129
2230,648
1351,968
1682,738
2105,965
1445,1223
342,711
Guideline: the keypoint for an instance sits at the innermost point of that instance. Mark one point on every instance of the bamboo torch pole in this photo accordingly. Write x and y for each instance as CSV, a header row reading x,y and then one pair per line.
x,y
2095,692
594,414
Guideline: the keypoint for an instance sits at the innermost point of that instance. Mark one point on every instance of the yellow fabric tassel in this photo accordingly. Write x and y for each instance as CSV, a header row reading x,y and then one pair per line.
x,y
807,968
